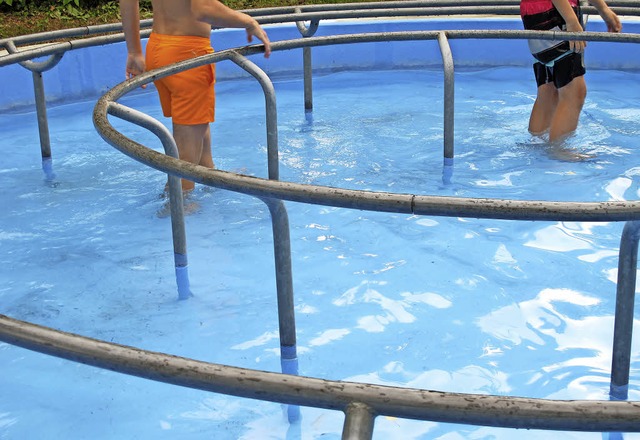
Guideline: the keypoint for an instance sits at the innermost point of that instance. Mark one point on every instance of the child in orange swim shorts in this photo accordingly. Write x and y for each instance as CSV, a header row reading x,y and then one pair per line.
x,y
187,97
182,30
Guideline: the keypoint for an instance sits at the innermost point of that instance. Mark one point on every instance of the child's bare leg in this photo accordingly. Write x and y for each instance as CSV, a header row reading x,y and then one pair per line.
x,y
206,159
543,109
190,141
570,101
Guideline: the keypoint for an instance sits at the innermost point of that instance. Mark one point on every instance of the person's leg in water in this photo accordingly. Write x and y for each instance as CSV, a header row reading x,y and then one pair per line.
x,y
560,97
557,111
543,109
194,146
570,102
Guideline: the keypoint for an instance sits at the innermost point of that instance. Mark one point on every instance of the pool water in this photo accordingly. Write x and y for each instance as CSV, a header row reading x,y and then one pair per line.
x,y
449,304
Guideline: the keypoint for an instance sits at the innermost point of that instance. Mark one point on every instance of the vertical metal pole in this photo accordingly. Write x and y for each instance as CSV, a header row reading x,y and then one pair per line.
x,y
306,60
43,125
178,231
284,283
37,68
271,111
308,79
625,301
178,228
449,82
281,237
358,422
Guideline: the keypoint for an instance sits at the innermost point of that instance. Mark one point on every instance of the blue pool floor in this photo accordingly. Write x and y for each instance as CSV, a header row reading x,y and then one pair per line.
x,y
450,304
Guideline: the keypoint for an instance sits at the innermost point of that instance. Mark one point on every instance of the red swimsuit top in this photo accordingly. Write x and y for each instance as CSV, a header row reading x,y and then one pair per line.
x,y
530,7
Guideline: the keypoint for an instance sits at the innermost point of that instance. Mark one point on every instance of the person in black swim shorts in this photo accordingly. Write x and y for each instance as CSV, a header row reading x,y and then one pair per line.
x,y
559,67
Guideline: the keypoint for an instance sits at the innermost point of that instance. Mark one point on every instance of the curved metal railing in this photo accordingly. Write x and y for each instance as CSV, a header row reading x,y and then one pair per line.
x,y
360,402
285,14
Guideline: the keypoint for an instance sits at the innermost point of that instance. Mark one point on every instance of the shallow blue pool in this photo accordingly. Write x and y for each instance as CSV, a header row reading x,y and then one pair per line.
x,y
450,304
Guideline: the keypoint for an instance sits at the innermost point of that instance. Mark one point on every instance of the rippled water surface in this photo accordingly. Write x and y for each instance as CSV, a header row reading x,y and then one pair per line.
x,y
449,304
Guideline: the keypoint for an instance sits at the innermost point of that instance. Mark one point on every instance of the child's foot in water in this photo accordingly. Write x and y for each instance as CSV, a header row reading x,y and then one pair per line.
x,y
568,154
560,150
189,206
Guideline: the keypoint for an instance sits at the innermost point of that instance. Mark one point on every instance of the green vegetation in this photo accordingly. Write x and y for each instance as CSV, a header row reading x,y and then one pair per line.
x,y
22,17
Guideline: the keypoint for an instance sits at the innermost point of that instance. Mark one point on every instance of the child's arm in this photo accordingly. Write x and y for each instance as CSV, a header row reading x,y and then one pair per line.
x,y
129,10
217,14
573,24
609,17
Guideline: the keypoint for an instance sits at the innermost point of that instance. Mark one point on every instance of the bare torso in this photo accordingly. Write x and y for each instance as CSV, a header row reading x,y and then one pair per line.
x,y
174,17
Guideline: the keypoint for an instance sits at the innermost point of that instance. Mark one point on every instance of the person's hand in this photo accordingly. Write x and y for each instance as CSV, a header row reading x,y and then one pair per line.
x,y
135,66
612,21
255,30
575,45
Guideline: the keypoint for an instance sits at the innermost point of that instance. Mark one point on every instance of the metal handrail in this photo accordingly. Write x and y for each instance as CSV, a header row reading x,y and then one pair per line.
x,y
410,403
413,4
288,14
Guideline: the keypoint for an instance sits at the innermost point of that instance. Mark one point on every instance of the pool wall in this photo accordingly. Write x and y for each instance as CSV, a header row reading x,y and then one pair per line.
x,y
97,69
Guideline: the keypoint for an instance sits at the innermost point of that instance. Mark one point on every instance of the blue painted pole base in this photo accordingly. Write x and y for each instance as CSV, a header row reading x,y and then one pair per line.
x,y
447,170
47,167
182,279
182,276
618,392
289,359
293,414
308,115
289,364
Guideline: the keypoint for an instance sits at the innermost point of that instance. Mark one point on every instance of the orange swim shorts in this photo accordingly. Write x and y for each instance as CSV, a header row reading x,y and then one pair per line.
x,y
188,97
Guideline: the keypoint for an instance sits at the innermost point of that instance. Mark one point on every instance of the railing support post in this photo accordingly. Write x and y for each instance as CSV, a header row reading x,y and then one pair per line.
x,y
625,301
37,68
284,286
306,60
308,79
281,237
449,92
358,422
178,228
43,125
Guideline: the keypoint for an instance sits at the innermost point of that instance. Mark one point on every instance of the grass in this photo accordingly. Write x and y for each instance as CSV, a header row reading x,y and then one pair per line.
x,y
43,18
